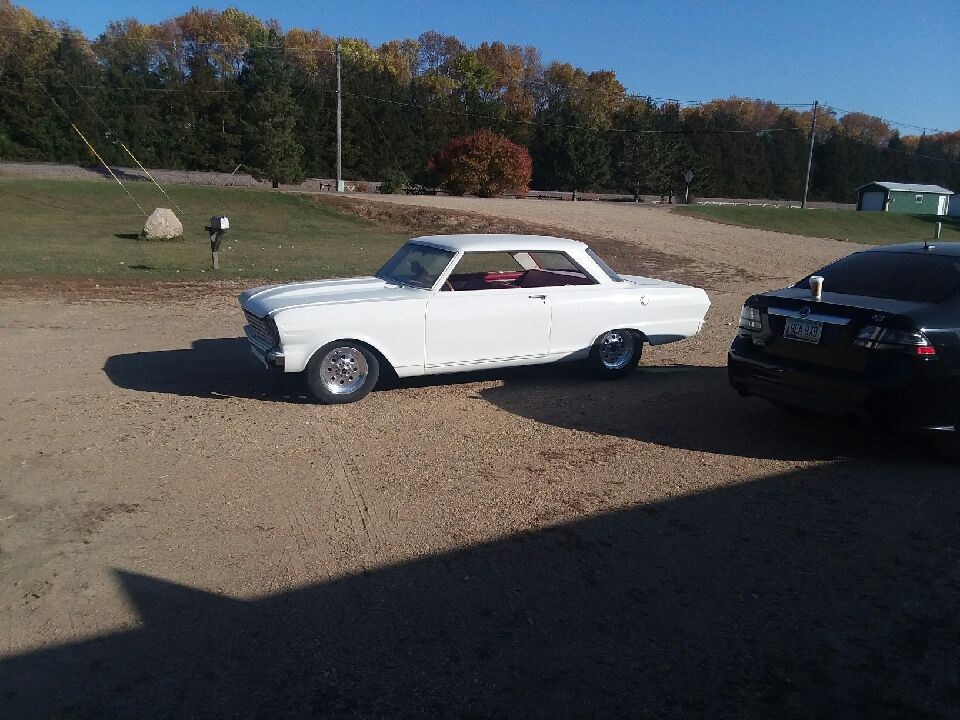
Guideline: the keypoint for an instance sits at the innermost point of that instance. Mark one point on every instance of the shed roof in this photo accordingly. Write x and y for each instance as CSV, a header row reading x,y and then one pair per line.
x,y
909,187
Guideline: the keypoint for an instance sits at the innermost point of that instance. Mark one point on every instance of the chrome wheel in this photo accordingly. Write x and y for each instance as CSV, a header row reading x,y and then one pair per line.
x,y
343,370
616,349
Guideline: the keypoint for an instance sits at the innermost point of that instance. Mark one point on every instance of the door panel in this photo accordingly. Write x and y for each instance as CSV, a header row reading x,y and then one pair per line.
x,y
486,325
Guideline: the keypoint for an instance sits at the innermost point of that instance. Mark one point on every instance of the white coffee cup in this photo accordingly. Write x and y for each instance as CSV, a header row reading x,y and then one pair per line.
x,y
816,286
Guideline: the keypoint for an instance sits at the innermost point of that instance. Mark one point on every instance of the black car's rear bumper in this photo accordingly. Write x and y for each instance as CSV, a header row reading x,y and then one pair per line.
x,y
918,399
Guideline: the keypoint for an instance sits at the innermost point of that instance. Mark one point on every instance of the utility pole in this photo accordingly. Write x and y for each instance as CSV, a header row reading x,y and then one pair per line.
x,y
340,187
813,134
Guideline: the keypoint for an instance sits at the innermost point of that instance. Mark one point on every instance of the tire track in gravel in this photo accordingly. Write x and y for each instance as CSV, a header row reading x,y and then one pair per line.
x,y
349,480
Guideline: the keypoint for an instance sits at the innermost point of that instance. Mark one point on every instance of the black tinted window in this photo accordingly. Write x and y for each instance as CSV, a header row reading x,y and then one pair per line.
x,y
899,276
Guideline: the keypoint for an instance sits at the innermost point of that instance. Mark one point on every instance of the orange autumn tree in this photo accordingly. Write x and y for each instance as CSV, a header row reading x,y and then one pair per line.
x,y
483,163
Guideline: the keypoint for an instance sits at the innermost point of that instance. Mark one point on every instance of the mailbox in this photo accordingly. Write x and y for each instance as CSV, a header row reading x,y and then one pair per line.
x,y
219,224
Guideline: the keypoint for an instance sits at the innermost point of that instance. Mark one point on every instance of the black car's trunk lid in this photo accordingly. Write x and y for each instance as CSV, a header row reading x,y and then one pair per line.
x,y
839,318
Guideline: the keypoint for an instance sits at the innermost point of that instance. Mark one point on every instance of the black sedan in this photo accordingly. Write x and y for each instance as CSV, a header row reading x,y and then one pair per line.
x,y
875,335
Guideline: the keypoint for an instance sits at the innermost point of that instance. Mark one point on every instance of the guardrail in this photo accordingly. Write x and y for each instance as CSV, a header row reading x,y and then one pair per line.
x,y
746,204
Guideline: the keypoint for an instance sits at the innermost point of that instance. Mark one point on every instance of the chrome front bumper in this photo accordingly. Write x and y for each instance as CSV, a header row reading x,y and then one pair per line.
x,y
270,357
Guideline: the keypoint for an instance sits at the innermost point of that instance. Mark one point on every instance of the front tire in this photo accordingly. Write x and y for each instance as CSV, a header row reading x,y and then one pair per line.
x,y
615,354
342,372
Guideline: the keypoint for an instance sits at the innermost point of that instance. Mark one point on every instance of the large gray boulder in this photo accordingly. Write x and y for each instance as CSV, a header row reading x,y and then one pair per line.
x,y
162,225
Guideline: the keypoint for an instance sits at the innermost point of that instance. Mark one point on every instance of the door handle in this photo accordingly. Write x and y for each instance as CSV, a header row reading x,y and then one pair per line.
x,y
537,297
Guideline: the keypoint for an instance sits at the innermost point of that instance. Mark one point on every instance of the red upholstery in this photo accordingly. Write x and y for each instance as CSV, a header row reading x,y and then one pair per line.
x,y
545,278
519,279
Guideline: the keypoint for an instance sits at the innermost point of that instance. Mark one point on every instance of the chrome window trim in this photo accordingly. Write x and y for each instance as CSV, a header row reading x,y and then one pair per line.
x,y
816,317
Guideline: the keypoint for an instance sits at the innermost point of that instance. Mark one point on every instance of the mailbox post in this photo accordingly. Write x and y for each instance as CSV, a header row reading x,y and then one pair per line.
x,y
687,178
219,224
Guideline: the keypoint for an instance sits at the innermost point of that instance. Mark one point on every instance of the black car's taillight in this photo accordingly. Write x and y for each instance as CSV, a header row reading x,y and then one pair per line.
x,y
750,319
909,342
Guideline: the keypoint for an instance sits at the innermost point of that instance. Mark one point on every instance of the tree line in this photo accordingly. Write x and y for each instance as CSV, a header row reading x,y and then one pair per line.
x,y
211,90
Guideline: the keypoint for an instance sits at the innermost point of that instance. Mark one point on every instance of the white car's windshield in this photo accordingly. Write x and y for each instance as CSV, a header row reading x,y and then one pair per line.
x,y
417,265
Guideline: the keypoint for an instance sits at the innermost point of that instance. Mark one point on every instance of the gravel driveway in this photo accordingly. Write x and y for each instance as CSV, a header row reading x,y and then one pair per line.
x,y
181,538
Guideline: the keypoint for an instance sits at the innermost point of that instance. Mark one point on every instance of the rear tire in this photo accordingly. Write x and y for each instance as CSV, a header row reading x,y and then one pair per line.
x,y
615,354
342,372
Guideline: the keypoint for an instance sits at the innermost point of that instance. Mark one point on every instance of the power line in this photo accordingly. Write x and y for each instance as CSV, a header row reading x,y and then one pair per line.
x,y
635,131
387,144
245,46
249,46
891,122
568,126
123,145
186,88
908,153
76,129
115,88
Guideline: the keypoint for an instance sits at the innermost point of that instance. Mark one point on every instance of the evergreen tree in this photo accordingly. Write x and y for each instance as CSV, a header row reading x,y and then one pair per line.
x,y
585,161
671,158
271,114
633,163
788,157
633,150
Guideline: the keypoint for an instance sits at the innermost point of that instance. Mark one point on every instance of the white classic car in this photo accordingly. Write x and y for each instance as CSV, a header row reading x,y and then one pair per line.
x,y
450,303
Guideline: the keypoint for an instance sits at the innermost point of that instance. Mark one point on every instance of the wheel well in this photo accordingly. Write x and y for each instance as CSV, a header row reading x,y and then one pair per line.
x,y
385,364
639,335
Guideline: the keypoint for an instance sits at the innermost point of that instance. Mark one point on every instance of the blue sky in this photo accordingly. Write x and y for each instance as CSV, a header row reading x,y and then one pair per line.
x,y
898,60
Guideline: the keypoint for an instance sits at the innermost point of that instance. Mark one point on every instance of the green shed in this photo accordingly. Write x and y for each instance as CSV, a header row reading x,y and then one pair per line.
x,y
903,198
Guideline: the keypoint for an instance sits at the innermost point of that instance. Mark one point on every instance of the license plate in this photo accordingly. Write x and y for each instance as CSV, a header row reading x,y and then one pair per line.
x,y
802,330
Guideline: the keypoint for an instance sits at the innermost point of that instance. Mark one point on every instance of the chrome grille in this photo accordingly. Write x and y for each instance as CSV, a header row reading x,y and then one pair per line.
x,y
261,327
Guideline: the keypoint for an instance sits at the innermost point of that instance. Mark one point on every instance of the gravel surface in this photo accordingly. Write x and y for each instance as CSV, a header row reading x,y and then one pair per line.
x,y
182,537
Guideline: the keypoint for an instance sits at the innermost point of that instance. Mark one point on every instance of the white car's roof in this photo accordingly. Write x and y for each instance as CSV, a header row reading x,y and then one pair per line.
x,y
499,243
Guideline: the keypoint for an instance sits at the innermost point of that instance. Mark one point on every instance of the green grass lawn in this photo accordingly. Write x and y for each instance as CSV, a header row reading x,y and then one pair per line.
x,y
89,229
874,228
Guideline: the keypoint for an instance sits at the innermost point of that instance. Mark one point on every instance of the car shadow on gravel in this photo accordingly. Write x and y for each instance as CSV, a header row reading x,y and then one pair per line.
x,y
694,408
210,368
823,592
225,367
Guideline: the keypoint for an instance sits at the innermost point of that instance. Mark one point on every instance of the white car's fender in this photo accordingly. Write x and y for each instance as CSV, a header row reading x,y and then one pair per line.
x,y
394,329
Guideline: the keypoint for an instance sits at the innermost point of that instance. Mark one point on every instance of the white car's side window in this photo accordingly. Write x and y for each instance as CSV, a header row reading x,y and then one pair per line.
x,y
516,269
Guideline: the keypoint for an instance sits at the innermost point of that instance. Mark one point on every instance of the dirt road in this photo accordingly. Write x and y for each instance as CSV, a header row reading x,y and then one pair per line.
x,y
180,538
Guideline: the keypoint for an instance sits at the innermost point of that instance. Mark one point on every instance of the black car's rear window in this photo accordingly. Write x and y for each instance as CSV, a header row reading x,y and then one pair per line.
x,y
912,277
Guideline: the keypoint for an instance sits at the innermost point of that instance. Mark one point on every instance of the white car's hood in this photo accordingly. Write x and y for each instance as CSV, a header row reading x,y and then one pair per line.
x,y
263,301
